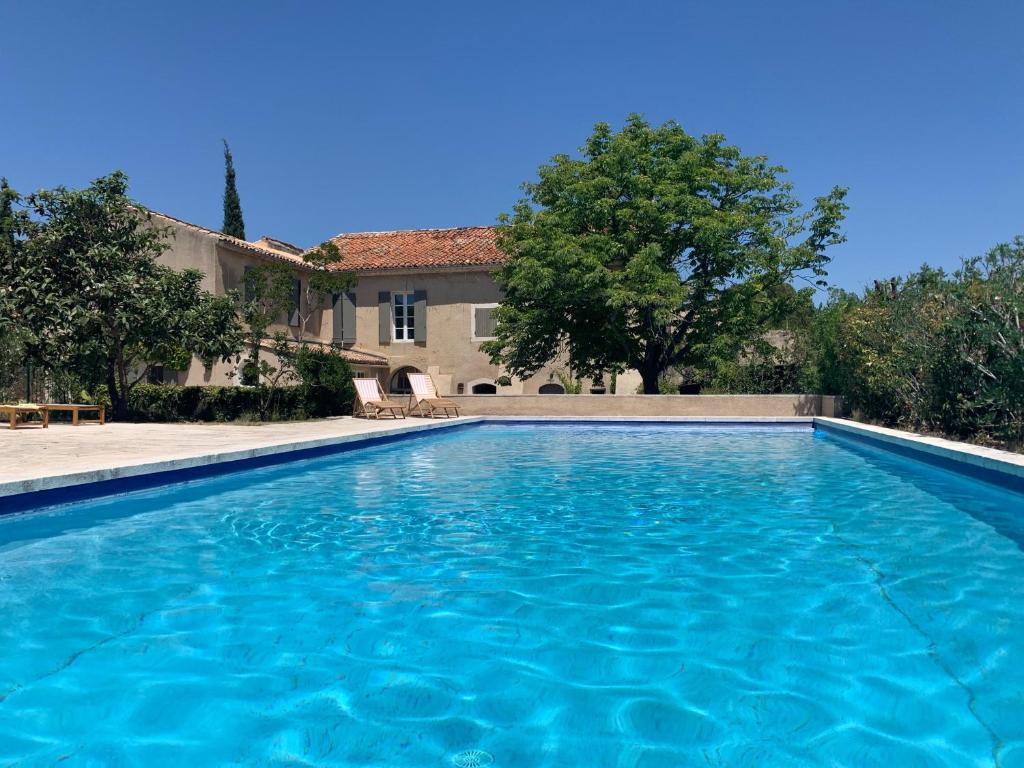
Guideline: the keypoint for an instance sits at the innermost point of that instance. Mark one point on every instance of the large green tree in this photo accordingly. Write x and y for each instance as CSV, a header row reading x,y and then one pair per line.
x,y
14,226
648,249
87,291
234,225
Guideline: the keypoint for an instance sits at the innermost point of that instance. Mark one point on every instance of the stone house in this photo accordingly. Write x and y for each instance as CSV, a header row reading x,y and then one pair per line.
x,y
423,302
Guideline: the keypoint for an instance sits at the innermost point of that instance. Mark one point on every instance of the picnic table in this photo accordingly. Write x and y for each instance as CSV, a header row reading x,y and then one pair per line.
x,y
75,409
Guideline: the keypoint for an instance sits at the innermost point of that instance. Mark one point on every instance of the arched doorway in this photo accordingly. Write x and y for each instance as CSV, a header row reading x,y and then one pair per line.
x,y
551,389
484,388
400,381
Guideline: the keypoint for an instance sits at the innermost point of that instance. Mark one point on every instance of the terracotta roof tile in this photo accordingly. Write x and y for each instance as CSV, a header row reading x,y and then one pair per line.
x,y
361,357
418,248
351,354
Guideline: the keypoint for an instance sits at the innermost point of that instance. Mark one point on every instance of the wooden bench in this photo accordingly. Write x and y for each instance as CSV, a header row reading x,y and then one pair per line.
x,y
14,411
75,409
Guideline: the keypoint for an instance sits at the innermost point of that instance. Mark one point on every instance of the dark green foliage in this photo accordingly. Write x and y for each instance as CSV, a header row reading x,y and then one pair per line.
x,y
162,402
250,374
326,381
12,358
324,388
12,337
87,292
933,351
234,225
654,249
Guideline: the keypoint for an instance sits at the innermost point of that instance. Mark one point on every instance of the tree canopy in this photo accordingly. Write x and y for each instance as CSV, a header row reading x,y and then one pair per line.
x,y
86,290
648,250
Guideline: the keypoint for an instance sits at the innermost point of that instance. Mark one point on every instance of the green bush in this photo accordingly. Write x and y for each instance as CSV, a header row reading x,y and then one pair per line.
x,y
166,402
933,351
327,388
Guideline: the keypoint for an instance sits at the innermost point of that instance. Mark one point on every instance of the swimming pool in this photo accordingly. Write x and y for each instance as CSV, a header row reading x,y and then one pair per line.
x,y
526,595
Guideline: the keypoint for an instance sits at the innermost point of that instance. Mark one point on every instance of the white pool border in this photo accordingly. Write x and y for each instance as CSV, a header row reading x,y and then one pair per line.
x,y
71,479
1002,464
1010,465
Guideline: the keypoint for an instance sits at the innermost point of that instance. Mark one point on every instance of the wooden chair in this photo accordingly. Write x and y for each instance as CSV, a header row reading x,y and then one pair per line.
x,y
371,401
424,400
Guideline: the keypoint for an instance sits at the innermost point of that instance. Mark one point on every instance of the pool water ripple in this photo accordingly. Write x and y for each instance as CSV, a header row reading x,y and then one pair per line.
x,y
526,596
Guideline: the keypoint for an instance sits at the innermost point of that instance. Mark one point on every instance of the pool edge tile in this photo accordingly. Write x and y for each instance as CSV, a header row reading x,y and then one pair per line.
x,y
992,465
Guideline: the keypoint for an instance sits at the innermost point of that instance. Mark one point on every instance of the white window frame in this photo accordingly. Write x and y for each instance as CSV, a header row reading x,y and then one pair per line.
x,y
409,302
472,321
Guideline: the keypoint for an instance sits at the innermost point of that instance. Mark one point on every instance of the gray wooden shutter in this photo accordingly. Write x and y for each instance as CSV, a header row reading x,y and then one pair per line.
x,y
348,318
293,319
384,316
484,322
337,319
420,300
245,285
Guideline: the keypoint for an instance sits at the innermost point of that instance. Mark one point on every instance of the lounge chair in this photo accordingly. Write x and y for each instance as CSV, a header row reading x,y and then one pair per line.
x,y
24,410
77,408
424,400
372,402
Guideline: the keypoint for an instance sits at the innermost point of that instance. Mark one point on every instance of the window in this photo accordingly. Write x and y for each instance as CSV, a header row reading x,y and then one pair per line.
x,y
399,384
403,317
484,388
485,324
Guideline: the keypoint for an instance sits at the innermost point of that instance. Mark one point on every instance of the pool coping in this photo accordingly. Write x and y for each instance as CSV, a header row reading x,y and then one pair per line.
x,y
1001,467
990,464
18,495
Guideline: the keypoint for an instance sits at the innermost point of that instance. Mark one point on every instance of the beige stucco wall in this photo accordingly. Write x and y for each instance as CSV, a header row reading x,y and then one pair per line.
x,y
647,405
190,249
450,353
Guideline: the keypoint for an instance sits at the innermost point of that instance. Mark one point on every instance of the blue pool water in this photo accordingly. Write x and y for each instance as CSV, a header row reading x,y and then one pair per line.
x,y
526,596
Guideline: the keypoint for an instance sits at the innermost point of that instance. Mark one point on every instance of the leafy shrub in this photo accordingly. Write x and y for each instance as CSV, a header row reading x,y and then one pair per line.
x,y
934,351
12,357
166,402
327,387
325,390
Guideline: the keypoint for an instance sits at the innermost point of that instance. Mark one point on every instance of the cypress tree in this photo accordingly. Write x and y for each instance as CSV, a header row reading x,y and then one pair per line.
x,y
234,225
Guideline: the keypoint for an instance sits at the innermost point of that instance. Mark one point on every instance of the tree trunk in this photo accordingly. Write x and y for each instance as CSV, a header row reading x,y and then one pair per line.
x,y
118,406
650,375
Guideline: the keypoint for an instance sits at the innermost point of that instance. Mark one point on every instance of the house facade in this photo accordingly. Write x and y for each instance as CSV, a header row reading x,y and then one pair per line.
x,y
423,302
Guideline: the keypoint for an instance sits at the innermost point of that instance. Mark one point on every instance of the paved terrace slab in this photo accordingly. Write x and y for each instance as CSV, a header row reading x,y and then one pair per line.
x,y
33,459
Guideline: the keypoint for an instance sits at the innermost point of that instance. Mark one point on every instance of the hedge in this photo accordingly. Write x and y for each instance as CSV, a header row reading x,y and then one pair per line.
x,y
166,402
326,390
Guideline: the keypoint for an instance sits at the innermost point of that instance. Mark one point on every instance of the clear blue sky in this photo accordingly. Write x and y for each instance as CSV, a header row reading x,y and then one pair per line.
x,y
393,115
